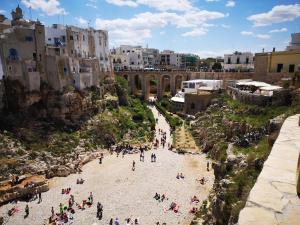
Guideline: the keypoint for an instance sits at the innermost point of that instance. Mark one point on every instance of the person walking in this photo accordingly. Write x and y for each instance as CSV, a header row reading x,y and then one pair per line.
x,y
52,211
133,165
111,222
117,221
26,211
40,197
207,165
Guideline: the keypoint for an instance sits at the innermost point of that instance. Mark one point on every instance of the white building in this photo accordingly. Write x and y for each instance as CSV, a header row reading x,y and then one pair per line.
x,y
55,35
150,57
172,59
239,61
128,57
102,49
193,86
295,43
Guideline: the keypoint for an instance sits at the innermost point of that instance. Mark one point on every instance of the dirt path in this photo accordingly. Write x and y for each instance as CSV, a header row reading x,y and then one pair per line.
x,y
125,193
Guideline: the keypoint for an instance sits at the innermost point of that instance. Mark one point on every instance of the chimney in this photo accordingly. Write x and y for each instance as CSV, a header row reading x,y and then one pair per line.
x,y
274,49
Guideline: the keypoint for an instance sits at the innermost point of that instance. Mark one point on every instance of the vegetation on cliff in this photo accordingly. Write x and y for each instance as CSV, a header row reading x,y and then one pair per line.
x,y
238,137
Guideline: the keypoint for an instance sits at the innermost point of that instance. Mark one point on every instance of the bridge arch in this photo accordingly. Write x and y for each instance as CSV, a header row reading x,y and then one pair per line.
x,y
165,82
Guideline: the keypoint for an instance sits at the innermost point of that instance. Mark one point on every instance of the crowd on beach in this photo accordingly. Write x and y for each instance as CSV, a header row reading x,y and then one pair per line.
x,y
64,212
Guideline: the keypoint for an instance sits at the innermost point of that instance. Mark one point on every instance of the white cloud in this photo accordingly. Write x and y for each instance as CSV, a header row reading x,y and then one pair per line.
x,y
230,3
2,11
225,26
161,5
123,3
247,33
82,22
251,34
278,30
213,54
50,7
278,14
92,3
263,36
138,28
195,32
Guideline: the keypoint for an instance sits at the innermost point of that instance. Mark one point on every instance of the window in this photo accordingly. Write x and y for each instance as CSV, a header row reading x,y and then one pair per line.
x,y
229,61
247,60
13,54
238,61
279,67
83,37
28,38
291,68
71,38
193,106
34,56
49,39
10,68
192,85
63,38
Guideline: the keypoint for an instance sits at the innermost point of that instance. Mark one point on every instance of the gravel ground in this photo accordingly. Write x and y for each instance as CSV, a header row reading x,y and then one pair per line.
x,y
125,193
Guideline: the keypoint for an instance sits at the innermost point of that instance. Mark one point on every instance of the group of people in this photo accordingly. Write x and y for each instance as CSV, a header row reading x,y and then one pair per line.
x,y
180,176
128,221
66,191
153,157
159,197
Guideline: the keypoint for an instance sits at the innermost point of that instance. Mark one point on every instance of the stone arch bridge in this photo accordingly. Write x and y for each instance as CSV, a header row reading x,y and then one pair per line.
x,y
165,81
140,80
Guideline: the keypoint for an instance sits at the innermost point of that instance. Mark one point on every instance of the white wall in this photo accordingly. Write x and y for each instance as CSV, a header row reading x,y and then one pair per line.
x,y
102,49
51,33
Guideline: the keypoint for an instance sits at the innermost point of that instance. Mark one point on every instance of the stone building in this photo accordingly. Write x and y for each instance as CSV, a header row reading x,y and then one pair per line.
x,y
59,56
239,61
197,101
23,52
171,60
295,42
287,62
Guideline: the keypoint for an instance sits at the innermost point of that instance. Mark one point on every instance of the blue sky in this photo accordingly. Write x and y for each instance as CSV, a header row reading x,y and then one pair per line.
x,y
203,27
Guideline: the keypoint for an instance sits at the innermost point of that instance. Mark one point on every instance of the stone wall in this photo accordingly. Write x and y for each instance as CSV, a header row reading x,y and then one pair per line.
x,y
249,98
273,199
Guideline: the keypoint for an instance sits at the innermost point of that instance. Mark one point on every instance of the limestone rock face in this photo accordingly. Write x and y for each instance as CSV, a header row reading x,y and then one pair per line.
x,y
9,192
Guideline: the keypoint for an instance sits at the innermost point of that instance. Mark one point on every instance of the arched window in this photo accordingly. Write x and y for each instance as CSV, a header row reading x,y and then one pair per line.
x,y
13,54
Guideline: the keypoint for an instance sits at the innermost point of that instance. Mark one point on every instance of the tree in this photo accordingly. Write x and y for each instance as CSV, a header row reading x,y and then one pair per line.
x,y
217,66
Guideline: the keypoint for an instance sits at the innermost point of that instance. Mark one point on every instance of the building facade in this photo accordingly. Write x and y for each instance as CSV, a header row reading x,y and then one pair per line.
x,y
295,42
239,61
60,56
287,62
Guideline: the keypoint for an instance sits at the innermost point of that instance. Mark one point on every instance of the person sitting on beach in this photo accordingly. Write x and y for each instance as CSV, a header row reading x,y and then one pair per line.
x,y
136,222
194,210
178,176
157,196
172,206
195,199
117,221
181,176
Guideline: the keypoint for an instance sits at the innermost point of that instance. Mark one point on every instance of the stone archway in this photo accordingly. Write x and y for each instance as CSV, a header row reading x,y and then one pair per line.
x,y
151,86
125,77
178,81
137,84
165,85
